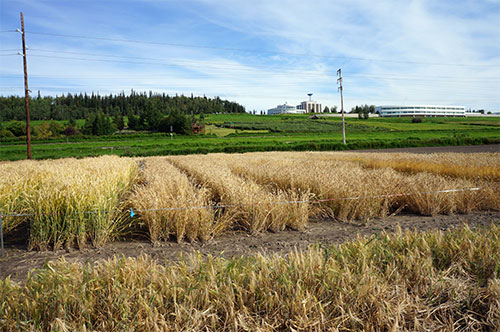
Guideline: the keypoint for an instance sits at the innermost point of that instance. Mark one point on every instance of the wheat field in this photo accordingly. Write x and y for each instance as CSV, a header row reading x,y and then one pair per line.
x,y
67,201
408,281
72,202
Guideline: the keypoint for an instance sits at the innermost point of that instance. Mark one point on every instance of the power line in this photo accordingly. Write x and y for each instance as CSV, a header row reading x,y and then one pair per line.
x,y
257,51
200,65
229,67
239,67
236,66
179,62
351,77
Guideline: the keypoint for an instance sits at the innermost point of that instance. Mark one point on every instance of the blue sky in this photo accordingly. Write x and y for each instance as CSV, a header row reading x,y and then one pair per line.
x,y
259,53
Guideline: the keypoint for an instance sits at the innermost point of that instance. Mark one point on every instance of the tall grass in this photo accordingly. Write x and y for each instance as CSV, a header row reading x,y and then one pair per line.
x,y
69,201
401,282
253,207
165,202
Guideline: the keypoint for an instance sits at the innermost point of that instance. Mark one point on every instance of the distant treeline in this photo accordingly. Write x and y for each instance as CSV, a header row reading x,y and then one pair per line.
x,y
140,105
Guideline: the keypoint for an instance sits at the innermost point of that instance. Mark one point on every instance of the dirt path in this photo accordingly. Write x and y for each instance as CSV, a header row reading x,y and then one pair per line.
x,y
18,261
435,149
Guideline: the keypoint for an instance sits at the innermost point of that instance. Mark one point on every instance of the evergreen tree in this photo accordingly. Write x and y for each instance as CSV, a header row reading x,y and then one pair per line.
x,y
119,122
179,122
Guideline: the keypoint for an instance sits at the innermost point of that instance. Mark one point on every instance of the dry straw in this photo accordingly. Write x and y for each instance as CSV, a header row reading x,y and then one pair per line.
x,y
403,282
329,176
254,208
165,187
460,165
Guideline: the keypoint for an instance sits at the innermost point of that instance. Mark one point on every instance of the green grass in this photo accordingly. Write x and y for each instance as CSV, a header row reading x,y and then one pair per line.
x,y
265,133
222,131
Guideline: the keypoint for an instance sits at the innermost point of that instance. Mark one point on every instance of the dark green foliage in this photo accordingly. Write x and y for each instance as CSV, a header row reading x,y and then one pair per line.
x,y
5,133
133,122
416,120
18,128
363,109
180,123
79,106
119,122
56,128
98,124
151,116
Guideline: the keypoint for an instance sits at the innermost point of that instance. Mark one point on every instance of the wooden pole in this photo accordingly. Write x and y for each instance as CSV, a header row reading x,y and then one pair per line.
x,y
26,91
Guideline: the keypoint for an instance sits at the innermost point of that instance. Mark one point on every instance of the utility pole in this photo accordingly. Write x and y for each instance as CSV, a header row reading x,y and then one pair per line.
x,y
26,90
339,80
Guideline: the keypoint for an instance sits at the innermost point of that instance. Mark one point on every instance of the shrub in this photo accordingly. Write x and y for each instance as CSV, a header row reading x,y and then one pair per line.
x,y
18,128
5,133
70,131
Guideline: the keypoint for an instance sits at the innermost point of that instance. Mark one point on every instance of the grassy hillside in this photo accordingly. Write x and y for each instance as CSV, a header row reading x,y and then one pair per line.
x,y
245,132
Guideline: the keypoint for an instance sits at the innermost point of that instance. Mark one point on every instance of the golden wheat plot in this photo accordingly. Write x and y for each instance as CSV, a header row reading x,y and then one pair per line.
x,y
170,205
342,182
15,182
402,282
462,165
252,206
68,200
338,182
423,174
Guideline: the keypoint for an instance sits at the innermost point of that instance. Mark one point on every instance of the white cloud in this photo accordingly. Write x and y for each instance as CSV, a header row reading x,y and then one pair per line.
x,y
433,53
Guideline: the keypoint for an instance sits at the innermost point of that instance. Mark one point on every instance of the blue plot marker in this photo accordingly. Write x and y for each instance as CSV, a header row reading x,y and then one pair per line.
x,y
132,213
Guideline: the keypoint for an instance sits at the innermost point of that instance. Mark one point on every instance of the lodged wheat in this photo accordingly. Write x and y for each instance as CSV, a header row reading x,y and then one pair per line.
x,y
165,203
252,207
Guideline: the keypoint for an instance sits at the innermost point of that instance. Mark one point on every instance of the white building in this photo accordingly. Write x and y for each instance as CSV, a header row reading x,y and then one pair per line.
x,y
310,106
419,110
284,109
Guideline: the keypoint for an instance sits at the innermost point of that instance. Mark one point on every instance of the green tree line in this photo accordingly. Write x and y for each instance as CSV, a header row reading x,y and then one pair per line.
x,y
145,106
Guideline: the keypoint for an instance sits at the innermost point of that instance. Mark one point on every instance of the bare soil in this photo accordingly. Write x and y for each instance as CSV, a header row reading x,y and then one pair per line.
x,y
18,261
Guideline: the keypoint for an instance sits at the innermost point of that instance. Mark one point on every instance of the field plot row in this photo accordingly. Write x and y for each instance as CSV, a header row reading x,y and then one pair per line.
x,y
461,165
433,281
88,201
66,201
